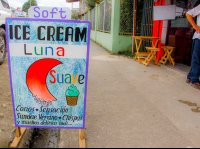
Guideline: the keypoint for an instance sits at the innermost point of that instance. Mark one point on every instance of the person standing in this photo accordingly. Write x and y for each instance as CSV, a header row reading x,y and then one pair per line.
x,y
193,76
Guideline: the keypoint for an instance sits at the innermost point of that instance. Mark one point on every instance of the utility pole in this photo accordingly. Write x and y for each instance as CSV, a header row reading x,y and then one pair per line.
x,y
30,3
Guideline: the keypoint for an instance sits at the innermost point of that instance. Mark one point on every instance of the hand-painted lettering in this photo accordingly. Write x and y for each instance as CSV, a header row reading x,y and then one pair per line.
x,y
66,78
45,15
40,32
49,33
17,27
25,32
25,53
54,79
52,12
61,14
61,51
37,12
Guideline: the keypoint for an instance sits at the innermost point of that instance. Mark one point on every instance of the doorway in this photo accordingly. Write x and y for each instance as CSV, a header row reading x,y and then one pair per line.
x,y
180,32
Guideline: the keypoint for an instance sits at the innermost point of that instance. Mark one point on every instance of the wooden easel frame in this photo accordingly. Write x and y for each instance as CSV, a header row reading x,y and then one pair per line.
x,y
82,143
21,131
19,135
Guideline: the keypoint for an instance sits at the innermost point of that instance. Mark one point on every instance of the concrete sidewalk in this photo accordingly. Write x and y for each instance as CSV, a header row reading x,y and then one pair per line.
x,y
131,105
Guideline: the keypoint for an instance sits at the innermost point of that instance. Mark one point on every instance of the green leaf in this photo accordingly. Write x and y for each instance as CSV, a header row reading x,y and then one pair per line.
x,y
26,5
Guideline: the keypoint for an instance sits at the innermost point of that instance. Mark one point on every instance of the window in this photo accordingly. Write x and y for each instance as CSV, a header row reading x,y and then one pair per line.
x,y
5,4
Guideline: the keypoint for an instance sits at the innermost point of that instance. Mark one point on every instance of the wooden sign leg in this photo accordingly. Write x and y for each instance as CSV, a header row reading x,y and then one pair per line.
x,y
82,138
18,132
19,135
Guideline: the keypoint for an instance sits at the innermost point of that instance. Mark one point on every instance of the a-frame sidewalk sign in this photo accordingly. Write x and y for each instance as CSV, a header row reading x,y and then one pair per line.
x,y
48,66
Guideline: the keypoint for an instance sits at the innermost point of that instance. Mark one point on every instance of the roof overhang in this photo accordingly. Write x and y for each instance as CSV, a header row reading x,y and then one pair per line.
x,y
71,1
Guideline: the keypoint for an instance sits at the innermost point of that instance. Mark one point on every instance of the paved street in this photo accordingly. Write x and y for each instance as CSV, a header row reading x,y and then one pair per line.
x,y
130,105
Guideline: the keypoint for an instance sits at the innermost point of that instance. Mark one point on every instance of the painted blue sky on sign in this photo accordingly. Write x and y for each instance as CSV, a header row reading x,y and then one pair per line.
x,y
24,97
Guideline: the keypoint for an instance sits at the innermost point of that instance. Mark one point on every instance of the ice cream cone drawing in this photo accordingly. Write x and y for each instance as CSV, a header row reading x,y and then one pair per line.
x,y
72,95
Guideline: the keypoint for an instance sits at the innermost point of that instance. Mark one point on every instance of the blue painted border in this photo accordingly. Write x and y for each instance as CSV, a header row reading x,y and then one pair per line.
x,y
87,64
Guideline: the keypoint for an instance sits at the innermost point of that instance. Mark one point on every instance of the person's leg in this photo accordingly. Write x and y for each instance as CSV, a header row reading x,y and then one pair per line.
x,y
195,71
189,74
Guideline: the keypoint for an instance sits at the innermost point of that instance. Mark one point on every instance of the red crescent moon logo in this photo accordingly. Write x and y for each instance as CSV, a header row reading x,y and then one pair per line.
x,y
36,80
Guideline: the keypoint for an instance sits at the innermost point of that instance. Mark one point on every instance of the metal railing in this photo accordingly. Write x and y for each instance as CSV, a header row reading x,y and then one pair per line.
x,y
108,13
86,16
126,17
104,16
92,18
101,19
